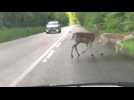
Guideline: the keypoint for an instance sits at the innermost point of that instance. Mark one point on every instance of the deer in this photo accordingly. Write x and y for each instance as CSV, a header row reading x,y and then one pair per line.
x,y
111,39
119,46
82,37
115,40
85,37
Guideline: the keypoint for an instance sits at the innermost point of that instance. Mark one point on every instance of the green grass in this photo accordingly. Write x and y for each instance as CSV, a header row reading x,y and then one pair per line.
x,y
129,46
8,34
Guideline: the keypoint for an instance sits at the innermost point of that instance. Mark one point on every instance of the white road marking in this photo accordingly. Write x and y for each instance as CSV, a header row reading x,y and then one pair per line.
x,y
29,69
58,44
45,60
49,55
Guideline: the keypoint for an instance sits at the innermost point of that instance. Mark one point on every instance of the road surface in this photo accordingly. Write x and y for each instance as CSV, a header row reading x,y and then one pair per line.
x,y
44,59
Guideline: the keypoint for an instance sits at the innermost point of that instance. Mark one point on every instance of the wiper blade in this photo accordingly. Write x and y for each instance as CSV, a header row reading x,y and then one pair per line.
x,y
97,84
101,84
125,84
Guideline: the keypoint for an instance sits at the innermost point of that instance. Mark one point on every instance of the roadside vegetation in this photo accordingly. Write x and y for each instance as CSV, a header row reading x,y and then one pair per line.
x,y
7,34
72,17
129,47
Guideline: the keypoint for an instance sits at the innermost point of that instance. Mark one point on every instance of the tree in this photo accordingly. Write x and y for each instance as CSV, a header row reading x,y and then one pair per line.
x,y
25,19
114,22
72,16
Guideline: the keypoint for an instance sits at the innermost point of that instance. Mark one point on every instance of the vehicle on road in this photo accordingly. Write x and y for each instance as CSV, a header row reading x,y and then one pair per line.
x,y
53,27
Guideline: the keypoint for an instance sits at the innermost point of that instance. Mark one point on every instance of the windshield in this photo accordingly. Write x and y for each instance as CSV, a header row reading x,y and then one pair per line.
x,y
53,23
90,47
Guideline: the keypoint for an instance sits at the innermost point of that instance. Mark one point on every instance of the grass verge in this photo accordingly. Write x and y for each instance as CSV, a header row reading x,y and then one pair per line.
x,y
129,47
8,34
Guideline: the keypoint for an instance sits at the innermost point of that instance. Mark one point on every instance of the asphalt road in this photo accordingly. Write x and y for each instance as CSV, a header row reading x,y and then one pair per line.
x,y
43,60
16,56
61,69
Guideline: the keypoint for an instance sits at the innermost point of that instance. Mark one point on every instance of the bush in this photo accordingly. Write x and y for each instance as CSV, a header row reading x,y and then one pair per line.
x,y
114,22
7,34
129,46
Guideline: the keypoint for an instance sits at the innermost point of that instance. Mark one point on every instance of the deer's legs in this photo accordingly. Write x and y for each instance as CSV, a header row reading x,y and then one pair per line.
x,y
91,49
76,49
72,51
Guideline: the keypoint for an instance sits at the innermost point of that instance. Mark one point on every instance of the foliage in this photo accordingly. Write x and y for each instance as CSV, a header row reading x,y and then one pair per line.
x,y
7,34
72,16
114,22
29,19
